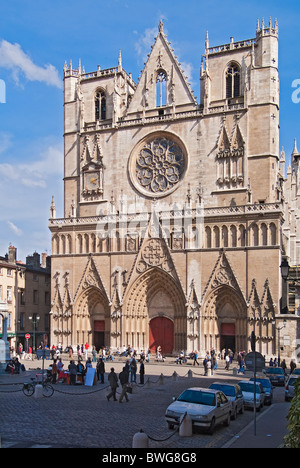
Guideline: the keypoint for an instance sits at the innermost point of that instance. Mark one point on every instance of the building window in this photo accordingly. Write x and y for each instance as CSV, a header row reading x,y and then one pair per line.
x,y
9,294
232,81
100,105
161,89
22,297
22,321
35,296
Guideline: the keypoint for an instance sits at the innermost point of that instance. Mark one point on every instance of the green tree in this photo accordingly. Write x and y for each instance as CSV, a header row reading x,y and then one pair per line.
x,y
292,440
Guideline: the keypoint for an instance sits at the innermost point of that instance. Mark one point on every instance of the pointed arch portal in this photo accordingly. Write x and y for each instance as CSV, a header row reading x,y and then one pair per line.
x,y
155,313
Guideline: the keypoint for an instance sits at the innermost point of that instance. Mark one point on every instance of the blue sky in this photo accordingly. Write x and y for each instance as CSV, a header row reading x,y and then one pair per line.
x,y
38,36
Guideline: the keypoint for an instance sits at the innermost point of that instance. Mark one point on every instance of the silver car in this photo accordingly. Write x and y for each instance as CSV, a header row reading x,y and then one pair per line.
x,y
206,407
290,389
247,388
234,395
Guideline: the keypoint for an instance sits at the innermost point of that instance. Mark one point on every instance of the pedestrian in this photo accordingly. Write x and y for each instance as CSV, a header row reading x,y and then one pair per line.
x,y
133,369
149,354
124,378
100,370
283,366
205,363
241,363
227,360
271,363
142,371
73,372
86,350
113,382
195,357
81,370
292,366
54,371
94,354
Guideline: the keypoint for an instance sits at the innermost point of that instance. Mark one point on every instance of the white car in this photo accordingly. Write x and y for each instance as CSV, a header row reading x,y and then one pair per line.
x,y
206,407
247,388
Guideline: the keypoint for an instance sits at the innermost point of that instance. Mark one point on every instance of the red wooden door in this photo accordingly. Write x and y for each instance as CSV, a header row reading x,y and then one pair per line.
x,y
161,333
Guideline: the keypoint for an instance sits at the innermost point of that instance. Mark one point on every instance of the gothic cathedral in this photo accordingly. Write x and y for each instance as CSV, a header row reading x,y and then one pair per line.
x,y
171,233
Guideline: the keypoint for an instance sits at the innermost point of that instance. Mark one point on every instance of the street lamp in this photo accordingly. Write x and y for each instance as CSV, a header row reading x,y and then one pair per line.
x,y
35,319
285,268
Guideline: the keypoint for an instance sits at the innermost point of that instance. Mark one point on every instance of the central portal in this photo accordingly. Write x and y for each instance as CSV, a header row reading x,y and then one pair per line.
x,y
161,333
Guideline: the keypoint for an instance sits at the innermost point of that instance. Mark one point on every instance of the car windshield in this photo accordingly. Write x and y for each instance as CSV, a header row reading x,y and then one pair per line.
x,y
248,387
292,382
228,390
275,370
265,382
196,396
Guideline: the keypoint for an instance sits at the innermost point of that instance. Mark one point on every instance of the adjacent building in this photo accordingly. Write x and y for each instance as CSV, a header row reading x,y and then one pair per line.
x,y
26,288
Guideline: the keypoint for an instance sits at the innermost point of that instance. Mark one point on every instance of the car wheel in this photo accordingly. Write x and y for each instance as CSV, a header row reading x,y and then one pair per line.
x,y
227,421
212,426
234,414
242,410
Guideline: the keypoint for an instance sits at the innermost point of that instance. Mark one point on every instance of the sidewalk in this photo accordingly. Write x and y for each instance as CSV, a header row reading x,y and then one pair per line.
x,y
271,427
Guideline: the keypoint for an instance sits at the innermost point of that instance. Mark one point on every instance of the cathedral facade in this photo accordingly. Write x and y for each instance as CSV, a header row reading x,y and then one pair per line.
x,y
173,208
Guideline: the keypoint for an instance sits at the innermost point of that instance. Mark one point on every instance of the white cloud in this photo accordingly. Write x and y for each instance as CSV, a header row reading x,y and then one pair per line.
x,y
35,173
5,141
144,42
14,228
15,59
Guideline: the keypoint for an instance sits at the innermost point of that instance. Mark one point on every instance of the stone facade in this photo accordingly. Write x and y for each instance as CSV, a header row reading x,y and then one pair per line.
x,y
173,209
26,289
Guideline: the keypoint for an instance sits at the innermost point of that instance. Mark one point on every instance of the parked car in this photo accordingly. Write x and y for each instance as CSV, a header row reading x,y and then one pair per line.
x,y
296,372
268,388
206,407
234,395
276,375
247,388
290,389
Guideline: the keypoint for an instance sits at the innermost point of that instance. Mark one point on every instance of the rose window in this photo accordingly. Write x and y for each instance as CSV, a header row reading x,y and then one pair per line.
x,y
160,164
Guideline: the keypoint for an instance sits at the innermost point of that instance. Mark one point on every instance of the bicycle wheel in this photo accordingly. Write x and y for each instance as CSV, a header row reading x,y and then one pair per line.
x,y
28,389
48,390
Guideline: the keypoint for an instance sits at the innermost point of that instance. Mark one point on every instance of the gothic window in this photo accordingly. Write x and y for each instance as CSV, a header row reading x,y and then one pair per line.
x,y
161,89
232,81
264,234
225,236
208,237
273,233
233,234
100,105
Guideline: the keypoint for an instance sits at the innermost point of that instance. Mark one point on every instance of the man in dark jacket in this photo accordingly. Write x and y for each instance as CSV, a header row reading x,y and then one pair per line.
x,y
124,377
113,382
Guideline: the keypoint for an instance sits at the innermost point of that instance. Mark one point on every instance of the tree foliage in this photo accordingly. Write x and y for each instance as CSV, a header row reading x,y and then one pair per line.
x,y
292,440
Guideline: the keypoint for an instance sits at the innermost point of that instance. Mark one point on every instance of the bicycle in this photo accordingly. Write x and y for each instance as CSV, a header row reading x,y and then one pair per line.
x,y
29,388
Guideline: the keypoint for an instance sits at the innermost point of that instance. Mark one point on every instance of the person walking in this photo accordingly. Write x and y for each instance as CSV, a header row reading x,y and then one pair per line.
x,y
142,371
205,363
73,372
113,382
100,370
133,369
227,359
54,371
293,366
124,378
86,350
195,358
